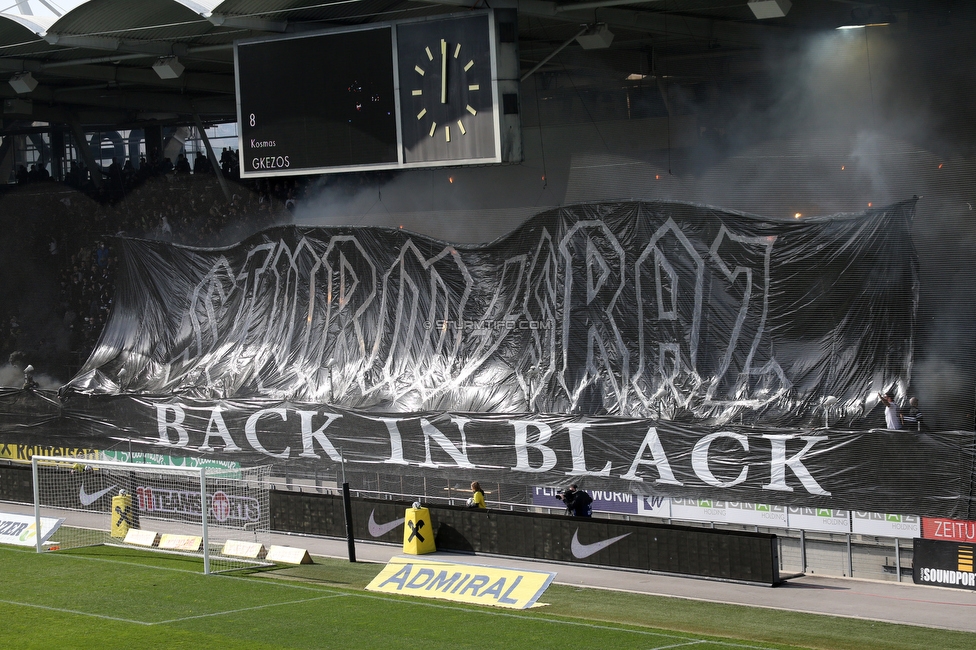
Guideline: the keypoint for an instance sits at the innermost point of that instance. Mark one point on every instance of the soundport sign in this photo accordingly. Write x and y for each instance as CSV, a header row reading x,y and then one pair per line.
x,y
226,509
944,564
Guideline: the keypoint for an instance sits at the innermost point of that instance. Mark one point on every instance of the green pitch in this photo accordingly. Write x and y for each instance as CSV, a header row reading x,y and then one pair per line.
x,y
106,597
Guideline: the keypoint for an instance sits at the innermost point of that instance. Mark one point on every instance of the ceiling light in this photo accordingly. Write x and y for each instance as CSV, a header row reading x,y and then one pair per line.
x,y
869,17
770,8
636,76
863,26
23,83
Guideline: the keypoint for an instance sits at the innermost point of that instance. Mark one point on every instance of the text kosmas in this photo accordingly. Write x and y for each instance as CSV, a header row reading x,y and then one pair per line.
x,y
528,446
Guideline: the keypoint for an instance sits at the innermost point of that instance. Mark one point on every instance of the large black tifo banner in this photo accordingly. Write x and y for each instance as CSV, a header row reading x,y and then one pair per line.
x,y
924,473
638,310
655,348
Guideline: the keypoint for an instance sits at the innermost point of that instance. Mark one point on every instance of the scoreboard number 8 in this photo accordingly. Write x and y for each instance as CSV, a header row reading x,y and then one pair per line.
x,y
251,119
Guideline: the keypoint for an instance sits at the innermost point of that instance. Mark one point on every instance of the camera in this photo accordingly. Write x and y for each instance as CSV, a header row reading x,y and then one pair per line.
x,y
565,494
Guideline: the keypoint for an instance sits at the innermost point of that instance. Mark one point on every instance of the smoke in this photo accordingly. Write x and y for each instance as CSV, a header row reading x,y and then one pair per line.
x,y
461,205
838,121
13,377
827,123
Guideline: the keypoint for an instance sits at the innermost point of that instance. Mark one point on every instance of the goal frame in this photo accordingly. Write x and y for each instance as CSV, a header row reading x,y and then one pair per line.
x,y
180,471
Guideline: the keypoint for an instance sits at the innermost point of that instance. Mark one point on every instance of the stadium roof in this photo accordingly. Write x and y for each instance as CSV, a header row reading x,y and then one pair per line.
x,y
92,59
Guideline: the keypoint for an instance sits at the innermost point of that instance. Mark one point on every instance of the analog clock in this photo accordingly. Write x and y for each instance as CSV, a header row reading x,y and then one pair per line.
x,y
447,95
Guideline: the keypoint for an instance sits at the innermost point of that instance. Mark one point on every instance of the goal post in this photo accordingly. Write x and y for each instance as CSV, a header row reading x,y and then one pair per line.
x,y
218,514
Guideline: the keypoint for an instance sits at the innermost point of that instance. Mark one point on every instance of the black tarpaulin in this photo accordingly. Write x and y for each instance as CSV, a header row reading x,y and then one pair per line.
x,y
633,309
655,348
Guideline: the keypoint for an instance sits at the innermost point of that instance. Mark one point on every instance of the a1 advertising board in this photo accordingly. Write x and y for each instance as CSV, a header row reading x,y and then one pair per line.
x,y
949,529
945,564
882,524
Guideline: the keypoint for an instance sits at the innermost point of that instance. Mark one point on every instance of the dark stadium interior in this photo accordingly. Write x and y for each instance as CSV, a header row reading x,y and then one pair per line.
x,y
696,101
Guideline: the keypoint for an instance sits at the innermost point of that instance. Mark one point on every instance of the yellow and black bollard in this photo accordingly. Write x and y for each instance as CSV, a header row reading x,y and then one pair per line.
x,y
418,531
124,516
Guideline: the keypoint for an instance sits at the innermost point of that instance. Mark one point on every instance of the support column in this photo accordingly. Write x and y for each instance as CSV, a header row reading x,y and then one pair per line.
x,y
6,158
57,152
82,143
154,144
213,158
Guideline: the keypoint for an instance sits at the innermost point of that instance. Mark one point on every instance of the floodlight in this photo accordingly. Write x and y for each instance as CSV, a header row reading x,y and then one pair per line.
x,y
23,82
168,68
597,37
770,8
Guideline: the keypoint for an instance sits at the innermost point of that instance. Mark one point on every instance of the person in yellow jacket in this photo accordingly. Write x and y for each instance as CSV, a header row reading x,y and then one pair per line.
x,y
477,499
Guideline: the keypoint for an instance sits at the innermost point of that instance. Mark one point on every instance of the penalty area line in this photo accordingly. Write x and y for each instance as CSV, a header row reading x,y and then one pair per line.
x,y
246,609
63,610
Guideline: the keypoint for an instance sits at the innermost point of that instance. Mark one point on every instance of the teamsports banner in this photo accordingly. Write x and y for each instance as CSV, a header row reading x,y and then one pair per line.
x,y
463,583
925,474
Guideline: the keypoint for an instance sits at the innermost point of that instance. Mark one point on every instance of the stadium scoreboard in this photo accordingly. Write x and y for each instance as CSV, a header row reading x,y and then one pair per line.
x,y
433,92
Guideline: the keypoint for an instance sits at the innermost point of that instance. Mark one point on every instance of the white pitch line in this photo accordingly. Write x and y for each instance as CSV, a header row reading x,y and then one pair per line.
x,y
554,619
74,611
557,619
247,609
679,645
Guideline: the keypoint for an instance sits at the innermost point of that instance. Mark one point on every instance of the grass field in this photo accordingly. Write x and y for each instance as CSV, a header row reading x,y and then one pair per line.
x,y
107,597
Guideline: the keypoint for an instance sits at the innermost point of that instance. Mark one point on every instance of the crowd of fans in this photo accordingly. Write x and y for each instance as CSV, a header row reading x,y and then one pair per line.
x,y
69,266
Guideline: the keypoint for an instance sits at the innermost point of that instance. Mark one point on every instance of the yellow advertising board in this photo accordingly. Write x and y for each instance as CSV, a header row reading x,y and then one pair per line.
x,y
463,583
23,453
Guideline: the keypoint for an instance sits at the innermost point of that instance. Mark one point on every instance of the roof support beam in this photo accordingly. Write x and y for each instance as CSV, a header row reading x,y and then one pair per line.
x,y
193,81
654,22
248,22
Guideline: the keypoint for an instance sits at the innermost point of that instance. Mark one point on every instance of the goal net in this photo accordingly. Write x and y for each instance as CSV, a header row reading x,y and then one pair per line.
x,y
220,515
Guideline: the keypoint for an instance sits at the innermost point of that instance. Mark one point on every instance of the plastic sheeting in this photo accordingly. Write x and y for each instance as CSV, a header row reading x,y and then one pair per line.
x,y
928,473
653,348
633,309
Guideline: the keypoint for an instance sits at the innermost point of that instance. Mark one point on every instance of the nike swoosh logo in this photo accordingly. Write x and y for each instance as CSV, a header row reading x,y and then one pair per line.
x,y
378,530
88,499
581,551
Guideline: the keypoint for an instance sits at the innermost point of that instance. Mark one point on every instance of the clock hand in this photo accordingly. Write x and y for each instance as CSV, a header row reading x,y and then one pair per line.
x,y
443,71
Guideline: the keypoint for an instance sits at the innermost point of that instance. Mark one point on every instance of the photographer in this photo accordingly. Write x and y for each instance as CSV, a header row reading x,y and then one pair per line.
x,y
577,502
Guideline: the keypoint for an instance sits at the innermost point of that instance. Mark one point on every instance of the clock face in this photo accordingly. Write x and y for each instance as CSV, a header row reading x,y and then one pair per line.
x,y
446,91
